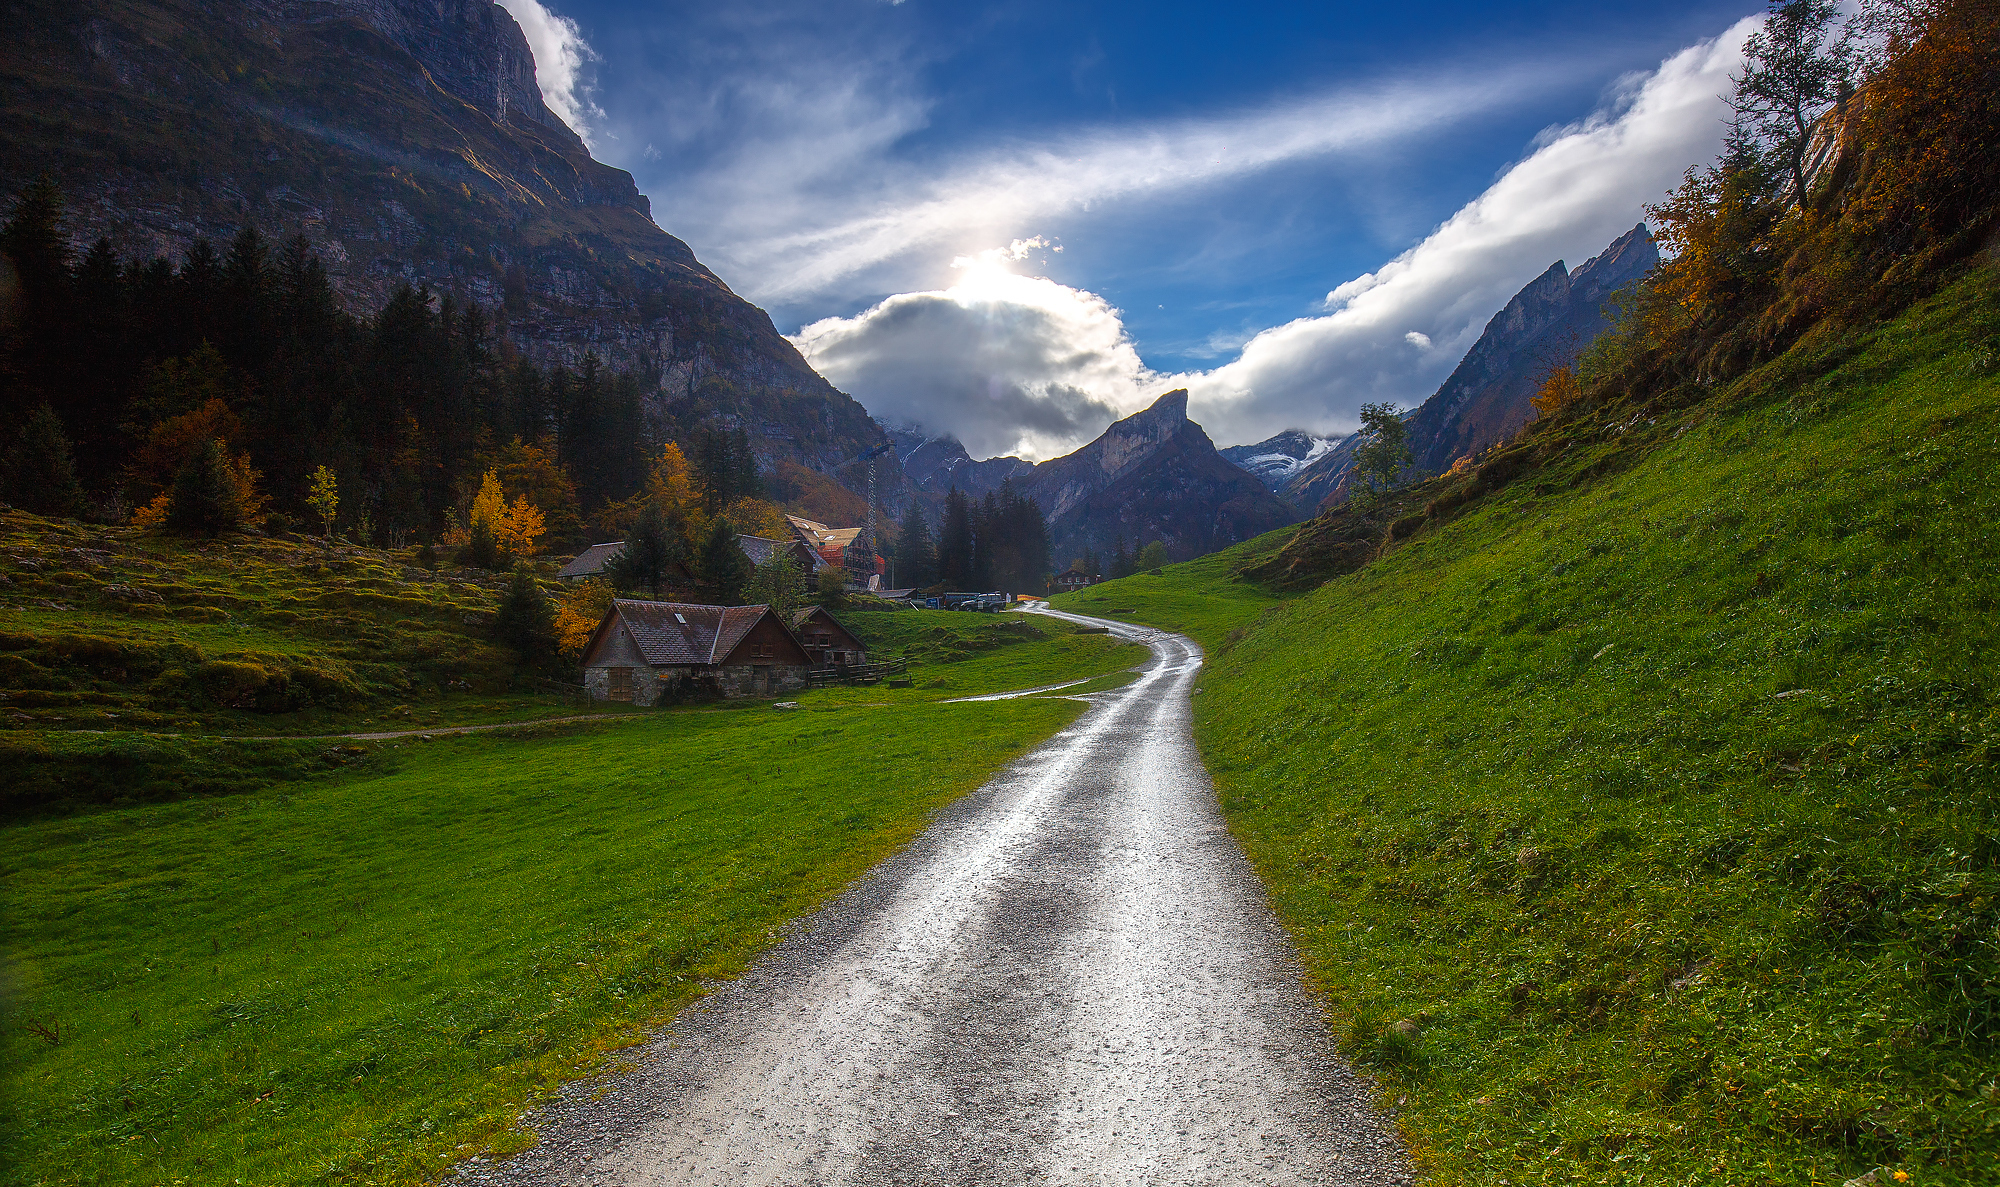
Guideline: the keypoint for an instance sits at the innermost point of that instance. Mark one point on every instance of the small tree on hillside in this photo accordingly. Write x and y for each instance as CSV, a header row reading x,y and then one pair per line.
x,y
524,621
1386,449
204,499
1797,69
1151,557
40,473
722,566
323,496
1557,392
777,582
832,587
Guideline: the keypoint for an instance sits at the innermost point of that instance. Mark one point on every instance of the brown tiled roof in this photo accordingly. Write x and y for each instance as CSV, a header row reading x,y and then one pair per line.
x,y
682,633
592,559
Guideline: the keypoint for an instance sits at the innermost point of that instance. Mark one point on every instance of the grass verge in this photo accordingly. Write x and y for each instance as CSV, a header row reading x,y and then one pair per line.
x,y
1645,830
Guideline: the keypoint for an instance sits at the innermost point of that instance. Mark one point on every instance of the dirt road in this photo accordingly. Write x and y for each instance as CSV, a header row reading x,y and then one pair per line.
x,y
1071,977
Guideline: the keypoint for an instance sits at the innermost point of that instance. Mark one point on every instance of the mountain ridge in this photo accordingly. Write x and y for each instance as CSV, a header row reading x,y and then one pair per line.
x,y
408,142
1486,398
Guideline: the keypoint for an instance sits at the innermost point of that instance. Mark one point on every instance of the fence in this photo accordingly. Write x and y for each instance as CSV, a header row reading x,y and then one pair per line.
x,y
859,673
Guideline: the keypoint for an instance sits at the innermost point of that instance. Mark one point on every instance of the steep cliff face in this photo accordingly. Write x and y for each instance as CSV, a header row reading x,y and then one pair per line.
x,y
1545,326
408,141
1153,476
1487,397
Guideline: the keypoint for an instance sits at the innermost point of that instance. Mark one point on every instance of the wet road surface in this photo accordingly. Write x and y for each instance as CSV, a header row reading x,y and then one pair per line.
x,y
1072,977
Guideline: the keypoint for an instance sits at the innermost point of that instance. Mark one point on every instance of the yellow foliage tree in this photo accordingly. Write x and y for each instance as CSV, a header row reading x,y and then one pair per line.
x,y
758,517
513,528
578,614
1558,392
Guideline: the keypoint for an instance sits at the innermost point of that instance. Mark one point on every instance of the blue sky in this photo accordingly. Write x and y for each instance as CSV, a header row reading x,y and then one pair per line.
x,y
1210,173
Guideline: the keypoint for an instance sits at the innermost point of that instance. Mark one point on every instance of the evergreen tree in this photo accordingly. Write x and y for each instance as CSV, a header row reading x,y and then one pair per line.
x,y
204,498
1121,564
651,551
916,556
40,474
954,547
985,533
525,621
722,566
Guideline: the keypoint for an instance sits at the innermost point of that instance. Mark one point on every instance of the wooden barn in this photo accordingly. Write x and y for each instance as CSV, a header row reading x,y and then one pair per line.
x,y
830,644
643,651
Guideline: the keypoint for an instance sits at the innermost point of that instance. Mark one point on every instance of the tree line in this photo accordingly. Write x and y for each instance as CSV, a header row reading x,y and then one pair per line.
x,y
124,371
999,542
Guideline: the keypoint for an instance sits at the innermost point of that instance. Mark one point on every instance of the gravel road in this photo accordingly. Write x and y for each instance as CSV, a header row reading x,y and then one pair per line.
x,y
1071,977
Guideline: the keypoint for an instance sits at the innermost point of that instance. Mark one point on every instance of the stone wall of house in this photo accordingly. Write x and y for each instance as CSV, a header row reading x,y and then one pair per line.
x,y
740,680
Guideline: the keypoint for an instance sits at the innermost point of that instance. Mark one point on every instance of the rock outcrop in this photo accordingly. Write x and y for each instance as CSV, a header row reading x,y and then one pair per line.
x,y
936,464
409,142
1153,476
1487,398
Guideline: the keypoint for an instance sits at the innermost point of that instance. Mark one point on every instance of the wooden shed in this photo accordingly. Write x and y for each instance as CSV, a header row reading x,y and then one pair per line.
x,y
644,651
830,644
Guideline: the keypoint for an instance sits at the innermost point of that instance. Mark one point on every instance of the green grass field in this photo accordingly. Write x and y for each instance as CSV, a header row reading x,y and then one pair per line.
x,y
357,962
363,978
1647,831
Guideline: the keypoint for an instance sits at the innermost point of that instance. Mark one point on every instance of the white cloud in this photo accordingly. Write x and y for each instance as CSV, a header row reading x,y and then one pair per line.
x,y
560,53
815,210
1007,363
1583,185
1021,364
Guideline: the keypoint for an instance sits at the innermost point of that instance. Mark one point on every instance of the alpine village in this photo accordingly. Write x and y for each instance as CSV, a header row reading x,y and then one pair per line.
x,y
480,704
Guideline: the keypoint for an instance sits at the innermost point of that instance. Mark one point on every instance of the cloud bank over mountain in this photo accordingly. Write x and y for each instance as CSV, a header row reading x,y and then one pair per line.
x,y
1021,364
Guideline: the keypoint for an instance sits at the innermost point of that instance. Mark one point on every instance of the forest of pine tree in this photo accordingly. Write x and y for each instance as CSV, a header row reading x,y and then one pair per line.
x,y
119,371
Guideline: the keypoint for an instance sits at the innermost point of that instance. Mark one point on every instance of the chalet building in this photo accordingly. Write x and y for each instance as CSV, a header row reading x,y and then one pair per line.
x,y
592,561
831,546
643,651
829,644
1073,580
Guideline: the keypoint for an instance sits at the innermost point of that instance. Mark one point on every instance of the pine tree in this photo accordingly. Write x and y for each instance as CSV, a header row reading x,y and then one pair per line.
x,y
205,497
651,551
1121,564
916,556
40,474
525,621
954,548
722,565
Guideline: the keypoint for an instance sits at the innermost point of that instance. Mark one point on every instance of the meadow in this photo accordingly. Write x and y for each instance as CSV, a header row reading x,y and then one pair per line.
x,y
1640,824
358,962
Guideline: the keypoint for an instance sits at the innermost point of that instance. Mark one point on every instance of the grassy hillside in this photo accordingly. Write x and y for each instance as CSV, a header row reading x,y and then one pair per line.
x,y
1640,819
125,655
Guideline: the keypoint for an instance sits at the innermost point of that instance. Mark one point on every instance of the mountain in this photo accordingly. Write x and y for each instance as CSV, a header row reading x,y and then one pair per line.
x,y
408,142
936,464
1277,459
1153,476
1486,398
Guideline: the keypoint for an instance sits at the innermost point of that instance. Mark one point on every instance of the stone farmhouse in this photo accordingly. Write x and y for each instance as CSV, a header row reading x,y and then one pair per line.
x,y
644,651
